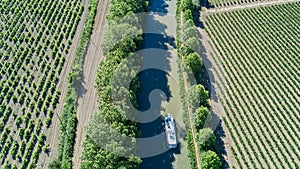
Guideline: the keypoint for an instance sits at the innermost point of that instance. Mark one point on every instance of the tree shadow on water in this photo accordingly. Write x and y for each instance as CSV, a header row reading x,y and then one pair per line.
x,y
159,6
158,41
161,161
154,78
151,79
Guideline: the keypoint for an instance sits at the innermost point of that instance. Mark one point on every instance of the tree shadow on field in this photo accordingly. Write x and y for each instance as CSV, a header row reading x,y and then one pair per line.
x,y
220,146
81,89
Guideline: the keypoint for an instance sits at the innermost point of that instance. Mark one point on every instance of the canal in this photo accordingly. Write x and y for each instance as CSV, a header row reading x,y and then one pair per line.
x,y
159,91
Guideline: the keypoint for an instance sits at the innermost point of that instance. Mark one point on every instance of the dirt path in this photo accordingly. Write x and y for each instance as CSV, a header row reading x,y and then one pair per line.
x,y
248,5
212,64
53,132
87,102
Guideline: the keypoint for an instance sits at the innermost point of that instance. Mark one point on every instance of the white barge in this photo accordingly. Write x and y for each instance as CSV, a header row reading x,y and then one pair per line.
x,y
170,129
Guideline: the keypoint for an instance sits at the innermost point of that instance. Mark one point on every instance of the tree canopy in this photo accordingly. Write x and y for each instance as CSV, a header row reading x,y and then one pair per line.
x,y
206,138
201,115
189,33
210,160
187,15
109,142
193,62
187,5
194,44
121,8
197,96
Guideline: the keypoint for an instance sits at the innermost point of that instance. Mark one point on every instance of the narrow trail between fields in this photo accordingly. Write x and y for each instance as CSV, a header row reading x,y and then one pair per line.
x,y
87,102
247,5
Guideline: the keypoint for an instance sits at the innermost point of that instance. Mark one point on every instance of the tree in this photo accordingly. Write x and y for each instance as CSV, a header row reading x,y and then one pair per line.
x,y
210,160
206,138
188,24
200,116
121,35
193,62
194,44
121,8
184,50
189,33
54,164
187,15
197,96
187,5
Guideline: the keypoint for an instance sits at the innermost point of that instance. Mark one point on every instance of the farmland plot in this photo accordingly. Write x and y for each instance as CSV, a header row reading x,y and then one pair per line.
x,y
35,37
222,3
258,50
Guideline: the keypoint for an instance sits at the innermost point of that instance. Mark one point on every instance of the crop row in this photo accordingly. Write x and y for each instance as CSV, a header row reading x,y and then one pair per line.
x,y
223,3
35,37
264,48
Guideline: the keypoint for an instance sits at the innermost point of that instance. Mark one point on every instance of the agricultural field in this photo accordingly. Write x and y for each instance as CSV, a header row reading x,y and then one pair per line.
x,y
258,56
50,49
222,3
35,37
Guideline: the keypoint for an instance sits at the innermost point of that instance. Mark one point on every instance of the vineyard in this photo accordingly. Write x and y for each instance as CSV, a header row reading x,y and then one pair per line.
x,y
222,3
35,37
258,56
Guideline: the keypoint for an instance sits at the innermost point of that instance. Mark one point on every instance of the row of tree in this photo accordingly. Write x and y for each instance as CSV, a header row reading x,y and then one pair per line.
x,y
197,97
69,119
109,142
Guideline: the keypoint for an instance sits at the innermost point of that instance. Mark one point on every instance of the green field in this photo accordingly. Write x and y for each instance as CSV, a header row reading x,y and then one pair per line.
x,y
35,37
221,3
259,61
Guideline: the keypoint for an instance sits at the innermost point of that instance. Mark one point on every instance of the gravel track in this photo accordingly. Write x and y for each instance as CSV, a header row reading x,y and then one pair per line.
x,y
87,102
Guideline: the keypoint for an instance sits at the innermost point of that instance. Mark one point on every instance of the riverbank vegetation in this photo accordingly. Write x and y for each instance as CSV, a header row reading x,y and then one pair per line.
x,y
196,100
122,39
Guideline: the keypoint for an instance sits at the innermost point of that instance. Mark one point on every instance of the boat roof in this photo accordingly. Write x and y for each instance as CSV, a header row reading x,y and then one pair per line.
x,y
170,129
